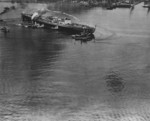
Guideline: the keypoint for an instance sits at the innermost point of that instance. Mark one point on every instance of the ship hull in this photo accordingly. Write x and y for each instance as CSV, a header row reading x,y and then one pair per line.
x,y
64,28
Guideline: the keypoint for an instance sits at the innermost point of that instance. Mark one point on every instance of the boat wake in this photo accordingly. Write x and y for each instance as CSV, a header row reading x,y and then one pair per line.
x,y
102,33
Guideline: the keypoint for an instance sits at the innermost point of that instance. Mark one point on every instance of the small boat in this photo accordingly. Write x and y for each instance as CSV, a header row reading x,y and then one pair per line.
x,y
4,29
84,37
64,24
146,4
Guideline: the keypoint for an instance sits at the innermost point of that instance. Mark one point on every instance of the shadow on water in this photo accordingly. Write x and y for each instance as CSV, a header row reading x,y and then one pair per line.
x,y
114,82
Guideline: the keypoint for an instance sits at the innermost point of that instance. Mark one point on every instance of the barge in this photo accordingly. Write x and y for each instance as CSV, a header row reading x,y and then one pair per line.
x,y
53,22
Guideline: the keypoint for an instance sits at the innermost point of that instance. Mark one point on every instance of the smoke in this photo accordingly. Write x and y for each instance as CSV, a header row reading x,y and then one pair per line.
x,y
10,12
7,9
14,10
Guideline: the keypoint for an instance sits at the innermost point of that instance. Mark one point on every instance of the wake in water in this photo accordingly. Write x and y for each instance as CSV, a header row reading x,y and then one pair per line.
x,y
102,33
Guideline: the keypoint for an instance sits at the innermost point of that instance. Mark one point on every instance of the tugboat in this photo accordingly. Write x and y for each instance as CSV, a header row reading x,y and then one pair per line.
x,y
146,4
64,24
4,29
84,36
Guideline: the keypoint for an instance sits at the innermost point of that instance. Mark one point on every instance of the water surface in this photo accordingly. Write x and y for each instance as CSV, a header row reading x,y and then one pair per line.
x,y
47,76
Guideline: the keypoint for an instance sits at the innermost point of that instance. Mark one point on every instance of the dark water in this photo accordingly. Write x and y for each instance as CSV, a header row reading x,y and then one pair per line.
x,y
47,76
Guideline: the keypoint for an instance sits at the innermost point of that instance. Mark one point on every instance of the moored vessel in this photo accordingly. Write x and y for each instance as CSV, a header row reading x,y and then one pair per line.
x,y
64,24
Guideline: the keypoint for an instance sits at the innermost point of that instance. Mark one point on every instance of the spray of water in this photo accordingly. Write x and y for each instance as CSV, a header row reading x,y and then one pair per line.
x,y
102,33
